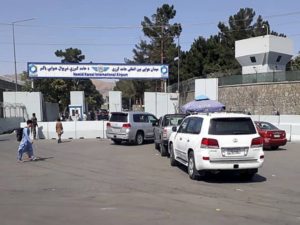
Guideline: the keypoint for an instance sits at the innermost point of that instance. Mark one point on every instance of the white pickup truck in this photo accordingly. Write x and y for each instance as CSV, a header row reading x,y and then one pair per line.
x,y
163,130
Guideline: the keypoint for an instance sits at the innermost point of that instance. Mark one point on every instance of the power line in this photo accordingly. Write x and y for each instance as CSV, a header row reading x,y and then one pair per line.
x,y
140,26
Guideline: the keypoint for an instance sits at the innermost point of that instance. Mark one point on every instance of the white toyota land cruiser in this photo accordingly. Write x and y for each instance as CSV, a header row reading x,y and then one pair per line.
x,y
215,142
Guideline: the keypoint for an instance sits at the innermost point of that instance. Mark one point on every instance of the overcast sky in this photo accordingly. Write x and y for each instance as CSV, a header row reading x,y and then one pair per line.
x,y
107,30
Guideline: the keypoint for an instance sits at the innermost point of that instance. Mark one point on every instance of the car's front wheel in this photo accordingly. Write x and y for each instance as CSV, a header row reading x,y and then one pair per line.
x,y
193,173
173,161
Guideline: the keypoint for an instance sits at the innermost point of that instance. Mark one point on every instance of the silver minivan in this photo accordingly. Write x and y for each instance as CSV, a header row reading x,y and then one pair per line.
x,y
133,127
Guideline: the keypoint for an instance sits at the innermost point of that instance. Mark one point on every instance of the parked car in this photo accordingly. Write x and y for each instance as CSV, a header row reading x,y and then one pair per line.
x,y
163,130
215,142
130,127
272,136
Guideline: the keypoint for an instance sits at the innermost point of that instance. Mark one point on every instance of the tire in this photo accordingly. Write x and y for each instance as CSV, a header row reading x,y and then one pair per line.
x,y
163,150
274,147
173,161
139,138
117,142
156,146
193,173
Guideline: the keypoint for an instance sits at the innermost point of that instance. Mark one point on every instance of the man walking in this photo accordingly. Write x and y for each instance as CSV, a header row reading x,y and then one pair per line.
x,y
34,125
26,143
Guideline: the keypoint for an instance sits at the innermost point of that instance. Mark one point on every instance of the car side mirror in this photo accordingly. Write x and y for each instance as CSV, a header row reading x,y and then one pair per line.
x,y
174,129
155,123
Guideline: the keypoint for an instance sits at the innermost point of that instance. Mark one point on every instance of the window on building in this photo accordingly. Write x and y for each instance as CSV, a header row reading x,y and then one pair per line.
x,y
253,59
278,58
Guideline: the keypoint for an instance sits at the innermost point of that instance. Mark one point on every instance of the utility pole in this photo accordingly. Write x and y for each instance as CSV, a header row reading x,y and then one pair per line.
x,y
162,83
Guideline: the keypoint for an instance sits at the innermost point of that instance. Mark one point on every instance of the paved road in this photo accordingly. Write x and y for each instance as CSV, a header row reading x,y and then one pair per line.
x,y
95,182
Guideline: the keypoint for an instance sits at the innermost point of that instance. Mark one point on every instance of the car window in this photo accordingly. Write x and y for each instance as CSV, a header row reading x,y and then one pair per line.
x,y
151,118
266,126
140,118
118,117
194,125
183,126
231,126
173,120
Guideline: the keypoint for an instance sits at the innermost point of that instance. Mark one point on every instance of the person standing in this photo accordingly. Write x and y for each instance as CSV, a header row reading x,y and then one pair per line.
x,y
34,125
59,129
26,143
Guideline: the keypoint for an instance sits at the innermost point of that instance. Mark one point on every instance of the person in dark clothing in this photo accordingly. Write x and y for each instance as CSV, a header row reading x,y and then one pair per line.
x,y
34,125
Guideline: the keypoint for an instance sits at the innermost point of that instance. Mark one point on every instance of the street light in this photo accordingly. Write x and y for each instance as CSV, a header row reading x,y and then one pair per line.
x,y
267,27
14,45
178,63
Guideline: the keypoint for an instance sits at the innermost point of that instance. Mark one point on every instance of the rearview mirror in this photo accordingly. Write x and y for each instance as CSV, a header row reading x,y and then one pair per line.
x,y
174,129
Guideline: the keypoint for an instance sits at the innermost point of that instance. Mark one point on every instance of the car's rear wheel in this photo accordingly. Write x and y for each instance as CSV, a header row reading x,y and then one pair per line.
x,y
139,138
274,147
163,150
173,161
193,173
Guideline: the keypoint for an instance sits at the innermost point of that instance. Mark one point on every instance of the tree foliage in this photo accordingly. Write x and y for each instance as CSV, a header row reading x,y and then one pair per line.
x,y
158,47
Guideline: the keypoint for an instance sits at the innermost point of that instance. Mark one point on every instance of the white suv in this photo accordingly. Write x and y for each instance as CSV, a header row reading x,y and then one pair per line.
x,y
215,142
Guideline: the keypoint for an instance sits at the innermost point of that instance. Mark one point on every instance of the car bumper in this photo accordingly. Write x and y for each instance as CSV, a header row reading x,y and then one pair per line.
x,y
274,142
123,137
227,164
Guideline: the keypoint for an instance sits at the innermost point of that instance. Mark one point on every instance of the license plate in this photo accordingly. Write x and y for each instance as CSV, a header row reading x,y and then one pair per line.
x,y
276,135
115,130
233,151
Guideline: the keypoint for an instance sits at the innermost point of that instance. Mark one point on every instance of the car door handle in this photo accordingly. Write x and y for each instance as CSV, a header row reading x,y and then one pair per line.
x,y
188,140
180,139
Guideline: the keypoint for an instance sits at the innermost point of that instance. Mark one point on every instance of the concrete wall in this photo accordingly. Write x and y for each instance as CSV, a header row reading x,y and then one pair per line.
x,y
9,124
262,98
77,98
51,111
115,101
97,129
72,129
159,103
31,100
208,87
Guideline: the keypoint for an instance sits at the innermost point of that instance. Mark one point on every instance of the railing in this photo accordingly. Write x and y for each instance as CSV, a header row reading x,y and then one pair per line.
x,y
189,85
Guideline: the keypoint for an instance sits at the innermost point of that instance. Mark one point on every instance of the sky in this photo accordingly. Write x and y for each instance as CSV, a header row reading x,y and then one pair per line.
x,y
107,30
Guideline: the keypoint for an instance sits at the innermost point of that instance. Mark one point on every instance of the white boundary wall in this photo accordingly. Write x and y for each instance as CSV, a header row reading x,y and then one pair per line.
x,y
208,87
159,103
97,129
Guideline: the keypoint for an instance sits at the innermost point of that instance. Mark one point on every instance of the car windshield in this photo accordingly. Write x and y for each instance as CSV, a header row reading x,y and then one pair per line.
x,y
174,120
266,126
118,117
231,126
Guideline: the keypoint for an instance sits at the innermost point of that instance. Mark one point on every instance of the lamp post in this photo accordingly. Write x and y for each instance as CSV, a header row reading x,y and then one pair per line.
x,y
14,45
267,27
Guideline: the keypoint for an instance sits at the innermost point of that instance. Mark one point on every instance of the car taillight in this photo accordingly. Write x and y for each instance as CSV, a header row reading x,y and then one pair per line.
x,y
164,133
108,125
256,142
209,143
126,125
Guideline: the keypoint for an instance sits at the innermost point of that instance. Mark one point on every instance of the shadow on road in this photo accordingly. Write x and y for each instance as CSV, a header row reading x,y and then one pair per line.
x,y
227,177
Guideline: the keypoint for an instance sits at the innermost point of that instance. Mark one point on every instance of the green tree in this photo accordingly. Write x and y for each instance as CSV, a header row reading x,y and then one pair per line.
x,y
158,47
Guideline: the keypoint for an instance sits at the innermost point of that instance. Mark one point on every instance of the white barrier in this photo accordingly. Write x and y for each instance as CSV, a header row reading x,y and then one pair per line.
x,y
97,129
72,129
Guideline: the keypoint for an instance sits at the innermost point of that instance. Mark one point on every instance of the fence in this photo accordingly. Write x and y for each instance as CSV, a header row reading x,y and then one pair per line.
x,y
189,85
